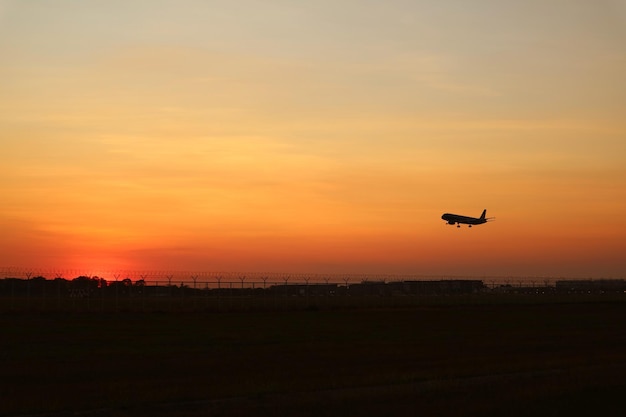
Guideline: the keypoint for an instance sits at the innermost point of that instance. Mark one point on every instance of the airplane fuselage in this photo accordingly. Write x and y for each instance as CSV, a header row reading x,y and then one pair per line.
x,y
458,219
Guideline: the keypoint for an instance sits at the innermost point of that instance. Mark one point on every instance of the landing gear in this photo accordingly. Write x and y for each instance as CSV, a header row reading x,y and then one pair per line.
x,y
470,225
458,225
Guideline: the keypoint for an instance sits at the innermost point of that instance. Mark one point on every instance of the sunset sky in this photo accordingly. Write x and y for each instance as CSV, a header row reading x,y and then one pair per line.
x,y
314,136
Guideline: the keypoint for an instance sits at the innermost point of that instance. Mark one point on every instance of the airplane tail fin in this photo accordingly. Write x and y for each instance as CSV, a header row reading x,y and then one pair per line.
x,y
482,216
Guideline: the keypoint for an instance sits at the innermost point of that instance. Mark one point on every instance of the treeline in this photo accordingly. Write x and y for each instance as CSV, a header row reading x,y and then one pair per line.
x,y
85,286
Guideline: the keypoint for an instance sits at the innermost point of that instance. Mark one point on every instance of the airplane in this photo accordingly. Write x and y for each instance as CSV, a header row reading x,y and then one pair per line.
x,y
455,218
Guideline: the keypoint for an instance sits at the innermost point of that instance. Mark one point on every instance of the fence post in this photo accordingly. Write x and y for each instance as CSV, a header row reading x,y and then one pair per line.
x,y
286,298
230,294
169,289
116,276
219,292
206,288
306,290
143,291
194,278
58,279
28,275
181,305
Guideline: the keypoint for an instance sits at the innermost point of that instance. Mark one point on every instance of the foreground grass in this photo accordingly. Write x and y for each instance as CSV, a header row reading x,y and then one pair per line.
x,y
531,359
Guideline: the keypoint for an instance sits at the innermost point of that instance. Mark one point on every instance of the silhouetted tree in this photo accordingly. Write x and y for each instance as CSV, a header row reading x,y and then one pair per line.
x,y
37,285
102,283
85,283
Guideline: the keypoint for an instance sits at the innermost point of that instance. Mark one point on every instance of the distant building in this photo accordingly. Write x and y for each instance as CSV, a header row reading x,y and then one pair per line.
x,y
444,287
439,287
588,286
303,289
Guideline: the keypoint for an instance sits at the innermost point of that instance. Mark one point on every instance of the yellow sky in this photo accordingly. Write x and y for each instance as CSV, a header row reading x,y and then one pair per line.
x,y
314,136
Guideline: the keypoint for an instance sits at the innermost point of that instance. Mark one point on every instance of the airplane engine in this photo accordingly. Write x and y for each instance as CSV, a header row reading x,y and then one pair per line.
x,y
451,222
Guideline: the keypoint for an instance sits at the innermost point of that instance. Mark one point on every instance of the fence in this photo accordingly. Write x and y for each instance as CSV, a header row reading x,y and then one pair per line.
x,y
266,292
174,276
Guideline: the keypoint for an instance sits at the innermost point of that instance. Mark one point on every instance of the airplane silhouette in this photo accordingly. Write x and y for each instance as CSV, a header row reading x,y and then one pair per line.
x,y
455,218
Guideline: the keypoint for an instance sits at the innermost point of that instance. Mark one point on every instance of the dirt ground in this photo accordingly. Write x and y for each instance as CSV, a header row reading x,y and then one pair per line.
x,y
445,360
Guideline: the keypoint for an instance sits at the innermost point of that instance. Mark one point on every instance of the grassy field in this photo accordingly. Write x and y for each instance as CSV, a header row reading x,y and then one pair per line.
x,y
448,360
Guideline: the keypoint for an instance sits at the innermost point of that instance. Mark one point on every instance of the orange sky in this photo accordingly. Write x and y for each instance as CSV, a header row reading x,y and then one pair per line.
x,y
323,137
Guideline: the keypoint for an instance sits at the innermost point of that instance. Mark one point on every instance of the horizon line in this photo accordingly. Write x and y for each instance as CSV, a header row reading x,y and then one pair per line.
x,y
217,275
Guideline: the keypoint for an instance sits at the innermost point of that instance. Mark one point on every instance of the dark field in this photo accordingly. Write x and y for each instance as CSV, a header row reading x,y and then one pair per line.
x,y
516,359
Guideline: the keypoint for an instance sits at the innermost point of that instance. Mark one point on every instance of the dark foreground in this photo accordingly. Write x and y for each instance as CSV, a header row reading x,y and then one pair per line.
x,y
529,359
